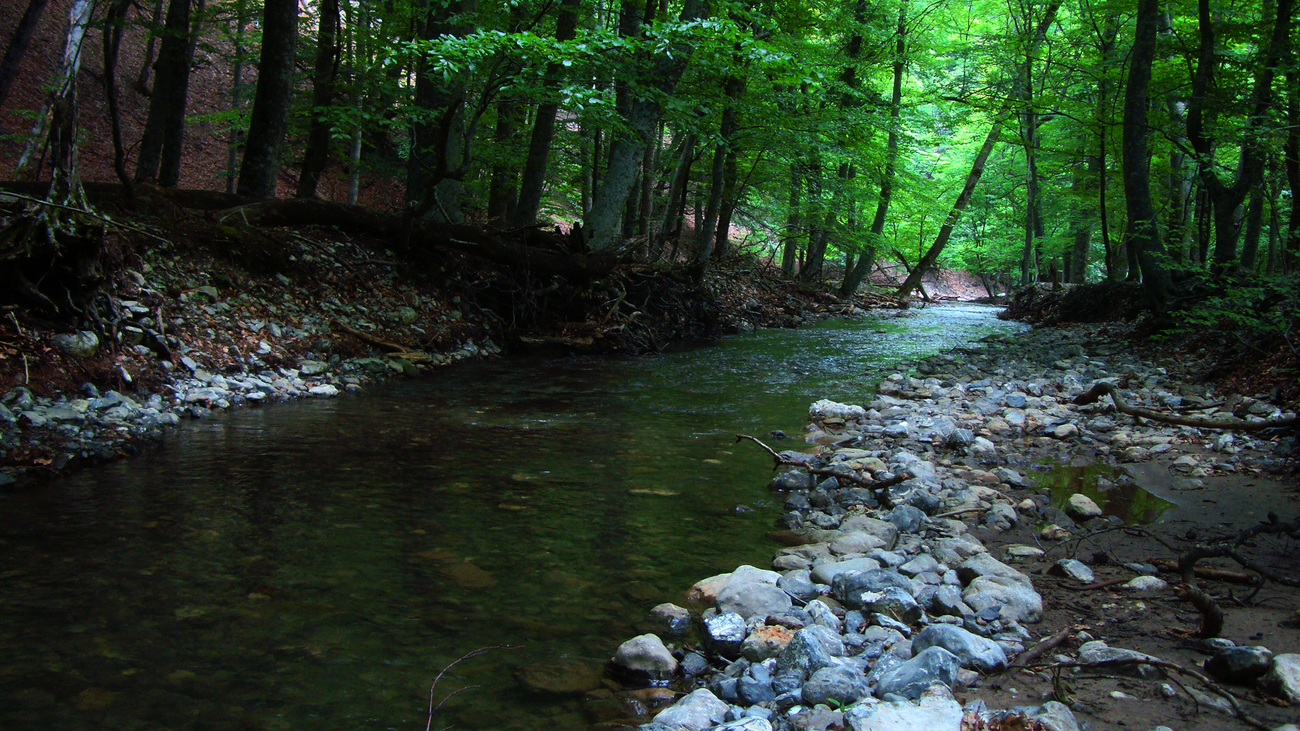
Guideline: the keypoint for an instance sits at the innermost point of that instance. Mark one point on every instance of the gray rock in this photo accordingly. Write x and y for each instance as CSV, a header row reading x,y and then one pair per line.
x,y
961,438
798,584
826,573
907,519
724,634
1072,569
796,480
1240,665
1081,507
849,587
804,655
983,565
1098,651
749,723
838,684
645,657
881,529
83,344
1283,678
695,712
947,602
893,602
675,621
749,599
974,652
1056,717
312,367
920,565
755,686
1017,600
933,713
930,666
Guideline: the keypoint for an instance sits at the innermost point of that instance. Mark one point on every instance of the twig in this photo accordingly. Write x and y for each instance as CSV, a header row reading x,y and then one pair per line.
x,y
1230,577
449,666
779,459
1100,584
1037,651
85,212
955,513
1157,662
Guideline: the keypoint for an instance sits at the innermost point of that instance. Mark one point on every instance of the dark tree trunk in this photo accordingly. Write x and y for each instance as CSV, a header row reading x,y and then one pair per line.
x,y
18,43
270,115
1143,231
858,273
503,190
707,234
151,47
533,180
1254,229
324,72
437,157
235,141
730,197
676,195
162,143
114,24
790,247
1291,254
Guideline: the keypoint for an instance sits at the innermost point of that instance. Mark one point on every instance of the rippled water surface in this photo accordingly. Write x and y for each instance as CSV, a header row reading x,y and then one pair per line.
x,y
314,565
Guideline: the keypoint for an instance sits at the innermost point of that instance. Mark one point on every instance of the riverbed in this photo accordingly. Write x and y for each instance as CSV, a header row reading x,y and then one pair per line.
x,y
315,565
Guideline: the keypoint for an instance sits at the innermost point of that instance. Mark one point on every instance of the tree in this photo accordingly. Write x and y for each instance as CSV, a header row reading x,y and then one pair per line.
x,y
1143,232
18,43
270,116
161,145
323,74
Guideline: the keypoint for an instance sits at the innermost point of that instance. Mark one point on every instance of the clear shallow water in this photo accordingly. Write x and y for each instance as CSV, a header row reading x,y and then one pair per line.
x,y
314,566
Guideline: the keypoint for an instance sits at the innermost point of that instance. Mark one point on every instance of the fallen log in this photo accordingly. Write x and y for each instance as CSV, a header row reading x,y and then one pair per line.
x,y
1100,389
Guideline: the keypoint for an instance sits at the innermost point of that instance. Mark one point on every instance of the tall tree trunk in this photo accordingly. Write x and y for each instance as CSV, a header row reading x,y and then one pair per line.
x,y
707,235
55,126
1143,230
1085,221
976,172
162,143
270,116
18,43
730,196
151,47
235,141
503,192
533,179
436,160
602,226
858,273
794,219
324,72
1291,258
1254,229
114,24
676,198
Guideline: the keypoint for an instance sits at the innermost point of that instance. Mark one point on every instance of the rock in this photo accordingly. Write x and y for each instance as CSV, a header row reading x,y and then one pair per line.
x,y
933,713
1021,551
1053,532
857,541
794,480
975,652
920,565
83,344
799,585
893,602
848,587
1056,717
907,519
675,621
881,529
1099,651
1011,477
1018,600
835,684
1081,507
826,573
983,564
755,686
1283,678
560,677
1145,585
694,712
947,602
749,723
1072,569
930,666
325,389
312,367
804,655
645,657
825,409
724,634
753,599
1240,665
765,642
1065,431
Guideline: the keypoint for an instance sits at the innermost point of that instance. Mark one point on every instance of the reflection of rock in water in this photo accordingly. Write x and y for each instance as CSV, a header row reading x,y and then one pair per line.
x,y
561,677
460,570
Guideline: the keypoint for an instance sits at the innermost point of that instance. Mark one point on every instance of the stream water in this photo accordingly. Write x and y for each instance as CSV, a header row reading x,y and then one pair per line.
x,y
315,565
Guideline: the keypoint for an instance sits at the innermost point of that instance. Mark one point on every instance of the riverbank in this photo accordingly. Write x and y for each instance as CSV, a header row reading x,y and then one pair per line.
x,y
1003,526
192,323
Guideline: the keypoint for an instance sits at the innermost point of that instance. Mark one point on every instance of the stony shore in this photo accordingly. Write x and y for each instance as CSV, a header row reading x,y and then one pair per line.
x,y
888,606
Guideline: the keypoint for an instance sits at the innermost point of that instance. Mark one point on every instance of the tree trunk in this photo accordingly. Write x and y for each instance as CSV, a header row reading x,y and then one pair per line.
x,y
1254,228
1291,253
18,43
602,227
146,68
270,116
503,192
676,195
114,24
1084,223
1143,231
730,197
237,90
162,143
858,273
436,160
59,108
707,234
533,180
790,247
324,72
1029,135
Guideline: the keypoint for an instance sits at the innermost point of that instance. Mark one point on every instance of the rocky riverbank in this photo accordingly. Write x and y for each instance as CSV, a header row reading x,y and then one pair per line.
x,y
963,585
185,331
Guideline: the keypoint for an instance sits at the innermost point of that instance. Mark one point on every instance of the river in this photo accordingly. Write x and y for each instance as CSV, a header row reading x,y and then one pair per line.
x,y
315,565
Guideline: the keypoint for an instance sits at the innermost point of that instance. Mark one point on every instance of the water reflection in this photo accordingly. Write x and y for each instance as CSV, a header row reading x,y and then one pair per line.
x,y
314,566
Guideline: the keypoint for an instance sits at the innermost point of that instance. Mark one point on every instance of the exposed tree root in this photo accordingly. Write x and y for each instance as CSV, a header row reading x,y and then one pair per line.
x,y
1102,388
1211,613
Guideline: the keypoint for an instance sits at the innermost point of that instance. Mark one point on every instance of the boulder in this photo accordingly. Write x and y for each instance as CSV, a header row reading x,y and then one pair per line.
x,y
1099,651
675,621
910,679
1056,717
83,344
753,599
645,657
838,684
856,542
1283,678
1072,569
764,642
892,602
974,652
724,634
933,713
804,655
694,712
1081,507
1017,599
884,530
826,573
1240,665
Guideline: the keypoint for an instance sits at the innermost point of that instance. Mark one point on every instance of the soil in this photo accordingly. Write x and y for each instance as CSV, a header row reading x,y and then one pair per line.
x,y
1163,626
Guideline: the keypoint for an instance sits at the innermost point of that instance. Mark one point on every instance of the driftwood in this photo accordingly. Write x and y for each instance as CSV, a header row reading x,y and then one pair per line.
x,y
1100,389
1024,659
879,488
1204,572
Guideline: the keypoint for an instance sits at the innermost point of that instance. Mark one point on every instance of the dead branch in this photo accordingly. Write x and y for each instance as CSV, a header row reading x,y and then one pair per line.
x,y
1211,614
1102,584
368,338
449,666
880,488
1037,651
1166,665
1102,388
1204,572
776,457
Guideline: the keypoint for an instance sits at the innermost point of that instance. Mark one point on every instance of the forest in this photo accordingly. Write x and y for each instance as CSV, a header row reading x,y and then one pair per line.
x,y
1022,141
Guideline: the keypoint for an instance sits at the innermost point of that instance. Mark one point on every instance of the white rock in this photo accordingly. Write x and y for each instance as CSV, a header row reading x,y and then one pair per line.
x,y
1146,585
695,712
1081,507
933,713
325,389
826,409
1283,677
